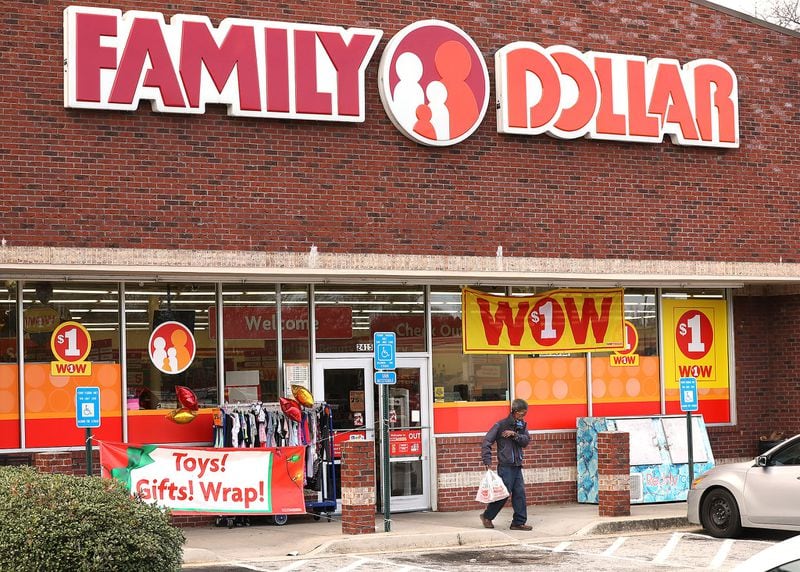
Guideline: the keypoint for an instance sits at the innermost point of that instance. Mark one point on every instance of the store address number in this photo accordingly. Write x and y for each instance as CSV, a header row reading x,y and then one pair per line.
x,y
363,347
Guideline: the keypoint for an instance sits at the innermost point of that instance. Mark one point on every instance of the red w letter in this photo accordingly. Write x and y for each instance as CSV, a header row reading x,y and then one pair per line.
x,y
579,324
493,325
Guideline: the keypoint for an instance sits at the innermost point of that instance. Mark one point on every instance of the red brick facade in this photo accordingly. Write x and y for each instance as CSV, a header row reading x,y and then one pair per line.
x,y
83,178
140,179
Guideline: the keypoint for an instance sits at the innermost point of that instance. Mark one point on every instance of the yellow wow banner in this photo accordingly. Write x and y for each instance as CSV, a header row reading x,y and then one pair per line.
x,y
556,321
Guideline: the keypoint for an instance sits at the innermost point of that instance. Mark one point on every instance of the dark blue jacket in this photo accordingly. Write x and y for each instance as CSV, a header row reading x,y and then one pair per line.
x,y
509,449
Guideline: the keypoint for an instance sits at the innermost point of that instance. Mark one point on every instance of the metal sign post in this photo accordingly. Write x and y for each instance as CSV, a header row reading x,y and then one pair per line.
x,y
385,345
688,391
387,475
87,415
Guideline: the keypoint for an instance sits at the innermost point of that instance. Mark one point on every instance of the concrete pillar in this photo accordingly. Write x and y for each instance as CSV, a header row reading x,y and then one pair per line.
x,y
613,469
358,487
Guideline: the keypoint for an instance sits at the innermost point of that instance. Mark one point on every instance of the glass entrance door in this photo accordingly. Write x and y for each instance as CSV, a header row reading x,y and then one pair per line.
x,y
347,385
409,437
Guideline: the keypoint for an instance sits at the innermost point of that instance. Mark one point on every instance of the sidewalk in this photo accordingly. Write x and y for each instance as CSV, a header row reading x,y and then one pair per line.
x,y
302,535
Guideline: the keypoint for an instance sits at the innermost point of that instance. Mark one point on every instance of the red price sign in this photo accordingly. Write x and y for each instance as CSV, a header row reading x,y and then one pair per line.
x,y
70,342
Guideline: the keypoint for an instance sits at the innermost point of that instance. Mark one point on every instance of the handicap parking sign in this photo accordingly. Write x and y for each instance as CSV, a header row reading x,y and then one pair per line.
x,y
87,407
688,391
384,344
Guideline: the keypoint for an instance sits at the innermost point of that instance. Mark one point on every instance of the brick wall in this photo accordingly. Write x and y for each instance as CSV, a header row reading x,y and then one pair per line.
x,y
767,345
143,179
66,462
549,470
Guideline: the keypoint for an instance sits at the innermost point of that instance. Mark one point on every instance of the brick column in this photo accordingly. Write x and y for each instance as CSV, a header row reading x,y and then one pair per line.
x,y
613,469
358,487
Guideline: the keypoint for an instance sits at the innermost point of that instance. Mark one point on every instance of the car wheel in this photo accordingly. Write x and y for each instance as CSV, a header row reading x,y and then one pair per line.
x,y
719,514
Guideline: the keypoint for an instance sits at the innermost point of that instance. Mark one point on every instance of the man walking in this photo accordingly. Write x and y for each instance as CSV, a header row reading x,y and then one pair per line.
x,y
511,436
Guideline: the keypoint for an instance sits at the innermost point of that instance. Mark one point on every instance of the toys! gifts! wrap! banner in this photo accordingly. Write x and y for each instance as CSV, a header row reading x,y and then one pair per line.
x,y
206,480
555,321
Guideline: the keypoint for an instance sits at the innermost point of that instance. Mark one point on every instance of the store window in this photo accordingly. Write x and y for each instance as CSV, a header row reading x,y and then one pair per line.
x,y
8,322
250,333
296,340
627,382
623,383
347,316
84,316
148,305
694,328
9,373
458,377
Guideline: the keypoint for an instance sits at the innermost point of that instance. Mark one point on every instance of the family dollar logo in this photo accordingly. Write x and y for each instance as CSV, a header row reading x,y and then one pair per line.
x,y
171,347
434,83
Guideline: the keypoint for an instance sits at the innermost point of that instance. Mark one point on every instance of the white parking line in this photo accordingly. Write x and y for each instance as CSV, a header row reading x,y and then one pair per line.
x,y
293,565
562,547
722,554
614,547
665,552
353,566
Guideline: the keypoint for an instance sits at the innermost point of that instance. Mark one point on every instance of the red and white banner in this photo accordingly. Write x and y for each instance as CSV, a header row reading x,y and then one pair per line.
x,y
210,481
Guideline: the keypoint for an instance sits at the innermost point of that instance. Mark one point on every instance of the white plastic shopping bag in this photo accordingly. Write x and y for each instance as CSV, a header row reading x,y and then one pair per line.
x,y
492,488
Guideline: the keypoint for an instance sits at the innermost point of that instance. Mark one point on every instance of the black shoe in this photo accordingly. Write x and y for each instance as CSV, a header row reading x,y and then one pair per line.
x,y
521,527
486,522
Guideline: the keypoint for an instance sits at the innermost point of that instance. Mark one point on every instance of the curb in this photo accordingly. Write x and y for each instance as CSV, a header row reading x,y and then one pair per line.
x,y
634,525
388,542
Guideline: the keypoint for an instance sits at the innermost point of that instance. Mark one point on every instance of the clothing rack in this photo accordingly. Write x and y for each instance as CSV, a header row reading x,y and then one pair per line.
x,y
259,424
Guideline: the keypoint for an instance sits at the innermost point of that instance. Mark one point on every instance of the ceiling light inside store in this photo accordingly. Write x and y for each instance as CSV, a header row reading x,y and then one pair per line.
x,y
89,301
61,291
249,302
390,293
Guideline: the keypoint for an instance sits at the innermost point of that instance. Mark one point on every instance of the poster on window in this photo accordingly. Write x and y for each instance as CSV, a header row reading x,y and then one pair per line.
x,y
556,321
695,335
201,480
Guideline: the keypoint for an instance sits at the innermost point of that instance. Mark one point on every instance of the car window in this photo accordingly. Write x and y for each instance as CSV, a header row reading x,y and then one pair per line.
x,y
788,456
793,566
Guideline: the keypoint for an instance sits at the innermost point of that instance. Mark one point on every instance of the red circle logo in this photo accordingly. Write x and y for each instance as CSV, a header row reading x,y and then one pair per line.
x,y
70,342
171,347
694,334
547,322
434,83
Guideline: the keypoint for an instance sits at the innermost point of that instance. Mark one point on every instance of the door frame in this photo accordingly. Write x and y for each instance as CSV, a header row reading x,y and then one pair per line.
x,y
423,501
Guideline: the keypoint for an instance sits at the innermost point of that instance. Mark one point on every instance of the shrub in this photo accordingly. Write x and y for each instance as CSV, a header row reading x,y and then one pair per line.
x,y
52,522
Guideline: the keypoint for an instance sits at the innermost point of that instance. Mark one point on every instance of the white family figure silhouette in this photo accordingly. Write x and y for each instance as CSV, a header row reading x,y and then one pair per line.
x,y
445,108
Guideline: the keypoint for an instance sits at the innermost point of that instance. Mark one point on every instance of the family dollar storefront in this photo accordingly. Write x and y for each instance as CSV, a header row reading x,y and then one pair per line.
x,y
572,205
